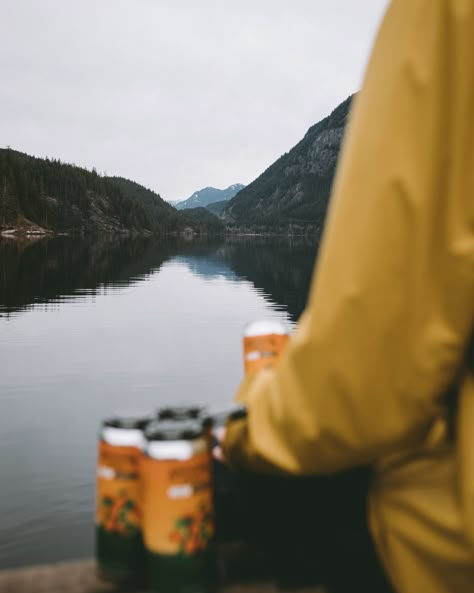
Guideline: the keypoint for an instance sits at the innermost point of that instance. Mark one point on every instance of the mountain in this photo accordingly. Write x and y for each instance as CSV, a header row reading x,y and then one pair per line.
x,y
203,219
165,218
208,195
217,208
292,194
43,195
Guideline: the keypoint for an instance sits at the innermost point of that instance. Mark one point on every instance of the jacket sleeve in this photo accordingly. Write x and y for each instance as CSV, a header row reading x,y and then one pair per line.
x,y
391,303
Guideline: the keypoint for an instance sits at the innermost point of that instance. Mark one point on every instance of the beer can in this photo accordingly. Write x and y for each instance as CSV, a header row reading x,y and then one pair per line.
x,y
119,543
263,344
178,524
184,412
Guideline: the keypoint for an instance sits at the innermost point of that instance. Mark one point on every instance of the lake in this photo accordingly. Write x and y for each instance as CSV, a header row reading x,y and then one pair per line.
x,y
89,327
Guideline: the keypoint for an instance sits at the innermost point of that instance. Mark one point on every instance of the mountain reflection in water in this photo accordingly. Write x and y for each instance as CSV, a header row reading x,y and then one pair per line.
x,y
54,270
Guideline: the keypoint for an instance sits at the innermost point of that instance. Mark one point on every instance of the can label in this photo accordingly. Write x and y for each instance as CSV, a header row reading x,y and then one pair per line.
x,y
263,352
118,489
177,505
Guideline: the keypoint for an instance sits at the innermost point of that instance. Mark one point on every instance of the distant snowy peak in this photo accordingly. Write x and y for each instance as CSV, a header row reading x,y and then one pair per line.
x,y
209,195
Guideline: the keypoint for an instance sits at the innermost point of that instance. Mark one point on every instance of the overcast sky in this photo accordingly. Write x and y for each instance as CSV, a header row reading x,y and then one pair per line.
x,y
176,94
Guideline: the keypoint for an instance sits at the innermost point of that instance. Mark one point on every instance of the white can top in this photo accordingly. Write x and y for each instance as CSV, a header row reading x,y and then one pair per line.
x,y
264,327
123,437
176,450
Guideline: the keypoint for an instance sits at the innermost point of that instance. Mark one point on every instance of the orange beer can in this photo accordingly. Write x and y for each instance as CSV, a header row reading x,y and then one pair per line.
x,y
178,522
263,344
119,545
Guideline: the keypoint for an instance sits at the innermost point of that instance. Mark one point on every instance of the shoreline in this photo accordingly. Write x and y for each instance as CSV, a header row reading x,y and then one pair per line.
x,y
20,233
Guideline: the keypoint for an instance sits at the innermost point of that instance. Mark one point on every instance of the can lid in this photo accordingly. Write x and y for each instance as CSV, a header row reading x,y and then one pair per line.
x,y
263,327
173,430
128,420
220,414
179,412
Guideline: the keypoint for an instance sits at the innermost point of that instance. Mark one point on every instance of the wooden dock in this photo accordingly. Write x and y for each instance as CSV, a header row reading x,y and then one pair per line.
x,y
81,577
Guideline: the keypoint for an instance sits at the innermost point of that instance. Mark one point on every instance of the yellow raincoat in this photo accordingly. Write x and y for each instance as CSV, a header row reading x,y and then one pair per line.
x,y
391,308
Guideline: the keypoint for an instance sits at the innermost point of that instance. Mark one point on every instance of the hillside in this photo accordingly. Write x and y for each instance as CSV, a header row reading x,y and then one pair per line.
x,y
209,195
217,208
292,194
41,195
165,218
202,218
62,197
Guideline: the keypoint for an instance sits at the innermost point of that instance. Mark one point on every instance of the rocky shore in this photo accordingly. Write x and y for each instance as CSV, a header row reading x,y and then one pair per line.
x,y
26,229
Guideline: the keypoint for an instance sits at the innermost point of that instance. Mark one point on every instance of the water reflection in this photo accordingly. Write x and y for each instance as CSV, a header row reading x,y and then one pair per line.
x,y
48,270
89,327
54,270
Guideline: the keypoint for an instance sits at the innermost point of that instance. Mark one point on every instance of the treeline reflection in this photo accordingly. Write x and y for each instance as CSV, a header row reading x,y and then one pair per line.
x,y
53,269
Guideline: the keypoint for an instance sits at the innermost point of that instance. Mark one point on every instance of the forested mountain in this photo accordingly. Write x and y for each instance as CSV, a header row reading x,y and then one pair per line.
x,y
203,218
208,195
292,194
164,216
217,208
42,194
62,197
169,219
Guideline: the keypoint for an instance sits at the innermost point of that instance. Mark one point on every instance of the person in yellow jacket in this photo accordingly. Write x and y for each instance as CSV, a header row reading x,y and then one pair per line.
x,y
391,309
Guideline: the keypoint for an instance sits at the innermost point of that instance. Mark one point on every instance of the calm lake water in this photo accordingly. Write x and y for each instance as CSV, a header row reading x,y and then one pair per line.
x,y
88,327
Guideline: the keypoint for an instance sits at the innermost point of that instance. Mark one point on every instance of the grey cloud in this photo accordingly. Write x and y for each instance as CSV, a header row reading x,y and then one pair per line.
x,y
176,94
